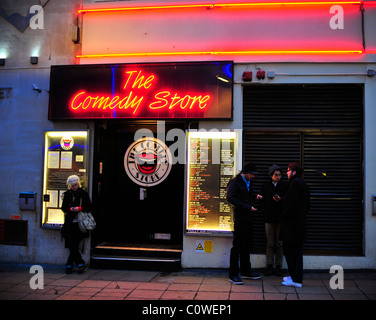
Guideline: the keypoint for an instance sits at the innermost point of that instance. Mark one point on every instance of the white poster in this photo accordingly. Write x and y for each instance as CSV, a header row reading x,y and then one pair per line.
x,y
54,200
66,160
53,159
55,216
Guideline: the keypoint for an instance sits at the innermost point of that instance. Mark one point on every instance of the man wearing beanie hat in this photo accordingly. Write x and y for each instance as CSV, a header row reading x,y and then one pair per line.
x,y
272,193
240,195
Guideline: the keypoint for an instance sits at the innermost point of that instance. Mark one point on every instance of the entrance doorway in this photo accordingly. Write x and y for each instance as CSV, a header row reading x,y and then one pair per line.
x,y
138,200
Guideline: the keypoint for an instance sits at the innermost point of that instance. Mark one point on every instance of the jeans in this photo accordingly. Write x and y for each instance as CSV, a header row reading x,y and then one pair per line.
x,y
273,244
293,252
241,249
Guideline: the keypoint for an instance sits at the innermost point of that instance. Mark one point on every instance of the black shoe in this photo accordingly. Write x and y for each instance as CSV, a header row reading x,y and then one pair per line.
x,y
81,268
236,280
68,269
252,275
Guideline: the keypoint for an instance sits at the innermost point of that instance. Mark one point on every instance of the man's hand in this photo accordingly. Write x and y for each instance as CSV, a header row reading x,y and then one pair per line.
x,y
253,209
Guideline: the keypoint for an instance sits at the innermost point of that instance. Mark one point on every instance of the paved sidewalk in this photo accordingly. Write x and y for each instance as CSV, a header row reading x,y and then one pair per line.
x,y
197,284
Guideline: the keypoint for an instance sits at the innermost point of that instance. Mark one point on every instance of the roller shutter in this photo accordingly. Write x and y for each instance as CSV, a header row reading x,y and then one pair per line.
x,y
321,127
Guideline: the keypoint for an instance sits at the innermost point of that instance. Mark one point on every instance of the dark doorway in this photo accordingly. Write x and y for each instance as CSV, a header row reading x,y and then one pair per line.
x,y
126,211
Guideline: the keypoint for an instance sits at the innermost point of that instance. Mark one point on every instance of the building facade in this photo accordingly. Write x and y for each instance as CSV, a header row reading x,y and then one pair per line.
x,y
156,105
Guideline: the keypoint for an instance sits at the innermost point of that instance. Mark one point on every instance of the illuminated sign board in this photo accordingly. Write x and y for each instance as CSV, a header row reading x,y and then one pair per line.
x,y
65,154
144,91
211,165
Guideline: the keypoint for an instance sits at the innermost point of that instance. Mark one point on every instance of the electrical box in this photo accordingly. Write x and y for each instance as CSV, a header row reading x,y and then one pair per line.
x,y
75,34
374,204
27,200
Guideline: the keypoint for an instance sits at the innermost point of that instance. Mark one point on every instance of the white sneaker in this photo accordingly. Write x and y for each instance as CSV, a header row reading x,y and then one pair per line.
x,y
291,283
285,279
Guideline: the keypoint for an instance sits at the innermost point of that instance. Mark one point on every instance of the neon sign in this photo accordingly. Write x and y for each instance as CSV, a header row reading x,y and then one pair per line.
x,y
220,5
228,30
218,53
186,90
83,101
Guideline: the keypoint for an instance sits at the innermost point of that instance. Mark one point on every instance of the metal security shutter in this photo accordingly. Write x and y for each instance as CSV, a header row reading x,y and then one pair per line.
x,y
321,127
306,106
333,170
264,150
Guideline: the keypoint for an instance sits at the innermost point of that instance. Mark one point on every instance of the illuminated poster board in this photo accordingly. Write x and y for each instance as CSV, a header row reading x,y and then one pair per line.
x,y
211,165
194,90
65,155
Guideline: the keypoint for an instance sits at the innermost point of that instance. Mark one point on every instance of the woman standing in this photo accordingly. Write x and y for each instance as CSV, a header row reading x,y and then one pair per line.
x,y
75,200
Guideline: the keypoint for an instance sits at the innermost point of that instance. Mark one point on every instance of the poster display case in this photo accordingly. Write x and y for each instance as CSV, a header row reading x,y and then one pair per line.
x,y
65,154
211,165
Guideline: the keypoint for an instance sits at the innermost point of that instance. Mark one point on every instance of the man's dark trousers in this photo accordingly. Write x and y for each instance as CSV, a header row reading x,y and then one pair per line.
x,y
293,251
241,249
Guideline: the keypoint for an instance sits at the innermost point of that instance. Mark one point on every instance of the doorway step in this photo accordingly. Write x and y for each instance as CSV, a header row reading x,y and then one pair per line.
x,y
159,257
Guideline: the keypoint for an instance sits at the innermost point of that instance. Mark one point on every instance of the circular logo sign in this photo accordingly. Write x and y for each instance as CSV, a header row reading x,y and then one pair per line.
x,y
67,142
148,161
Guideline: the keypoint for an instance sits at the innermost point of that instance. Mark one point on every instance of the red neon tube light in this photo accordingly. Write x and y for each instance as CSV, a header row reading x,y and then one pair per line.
x,y
220,5
255,52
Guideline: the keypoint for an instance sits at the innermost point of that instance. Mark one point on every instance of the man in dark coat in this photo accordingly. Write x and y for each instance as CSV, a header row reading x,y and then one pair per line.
x,y
296,204
240,195
272,193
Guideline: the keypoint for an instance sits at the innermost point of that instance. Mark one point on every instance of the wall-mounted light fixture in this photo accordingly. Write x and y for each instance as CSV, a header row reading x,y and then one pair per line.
x,y
34,60
222,78
36,88
2,61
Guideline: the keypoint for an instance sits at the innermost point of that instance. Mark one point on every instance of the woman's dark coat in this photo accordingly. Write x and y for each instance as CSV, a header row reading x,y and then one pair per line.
x,y
79,198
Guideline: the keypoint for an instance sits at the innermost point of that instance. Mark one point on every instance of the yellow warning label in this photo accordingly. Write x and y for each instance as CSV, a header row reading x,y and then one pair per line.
x,y
208,246
204,246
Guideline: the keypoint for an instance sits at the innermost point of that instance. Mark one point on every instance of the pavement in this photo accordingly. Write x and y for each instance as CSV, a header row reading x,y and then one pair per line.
x,y
18,283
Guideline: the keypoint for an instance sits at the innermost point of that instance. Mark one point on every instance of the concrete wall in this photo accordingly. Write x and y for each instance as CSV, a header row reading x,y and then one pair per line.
x,y
24,118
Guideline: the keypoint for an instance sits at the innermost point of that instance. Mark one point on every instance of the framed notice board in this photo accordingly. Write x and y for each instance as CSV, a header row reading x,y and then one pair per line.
x,y
211,165
65,154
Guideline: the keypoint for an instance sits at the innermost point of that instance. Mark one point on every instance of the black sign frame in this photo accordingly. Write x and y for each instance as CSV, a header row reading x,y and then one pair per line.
x,y
184,90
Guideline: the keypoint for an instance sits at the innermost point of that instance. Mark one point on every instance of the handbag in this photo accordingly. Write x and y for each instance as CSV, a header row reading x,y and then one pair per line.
x,y
86,221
